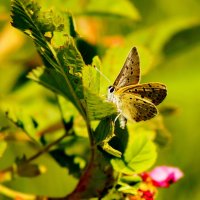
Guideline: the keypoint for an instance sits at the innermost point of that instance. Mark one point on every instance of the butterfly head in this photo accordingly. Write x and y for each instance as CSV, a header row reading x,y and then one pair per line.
x,y
111,90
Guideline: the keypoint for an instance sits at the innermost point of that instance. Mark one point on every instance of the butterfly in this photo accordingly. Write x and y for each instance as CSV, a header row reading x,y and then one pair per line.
x,y
134,101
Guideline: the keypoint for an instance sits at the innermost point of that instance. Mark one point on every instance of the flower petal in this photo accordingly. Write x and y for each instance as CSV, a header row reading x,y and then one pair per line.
x,y
164,176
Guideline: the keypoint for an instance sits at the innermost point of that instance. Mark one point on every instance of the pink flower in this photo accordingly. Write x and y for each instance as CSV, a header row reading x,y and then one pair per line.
x,y
164,176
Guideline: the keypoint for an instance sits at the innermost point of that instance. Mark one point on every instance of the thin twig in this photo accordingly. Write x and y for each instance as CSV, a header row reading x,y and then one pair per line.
x,y
47,148
39,153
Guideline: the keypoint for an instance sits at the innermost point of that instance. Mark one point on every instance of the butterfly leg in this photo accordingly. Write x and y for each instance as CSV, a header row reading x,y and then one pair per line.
x,y
117,117
122,120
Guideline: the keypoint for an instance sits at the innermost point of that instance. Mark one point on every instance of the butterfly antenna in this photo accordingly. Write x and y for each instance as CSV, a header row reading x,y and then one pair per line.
x,y
102,74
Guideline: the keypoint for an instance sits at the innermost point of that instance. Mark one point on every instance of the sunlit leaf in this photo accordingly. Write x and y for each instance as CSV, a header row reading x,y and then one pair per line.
x,y
183,40
110,150
96,63
97,107
104,130
66,61
139,155
128,189
41,185
67,161
156,36
23,121
3,146
131,179
111,7
103,134
72,27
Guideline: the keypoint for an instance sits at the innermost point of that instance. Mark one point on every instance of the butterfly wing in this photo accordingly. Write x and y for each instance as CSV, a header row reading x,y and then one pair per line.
x,y
130,72
153,92
135,108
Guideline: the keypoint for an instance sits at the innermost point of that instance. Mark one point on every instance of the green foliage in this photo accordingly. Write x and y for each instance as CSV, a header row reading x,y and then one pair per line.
x,y
64,65
139,156
104,130
97,107
25,17
41,184
89,152
28,124
110,8
3,146
103,135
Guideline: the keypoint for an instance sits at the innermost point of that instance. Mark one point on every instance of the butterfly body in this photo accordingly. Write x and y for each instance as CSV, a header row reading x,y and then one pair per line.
x,y
134,101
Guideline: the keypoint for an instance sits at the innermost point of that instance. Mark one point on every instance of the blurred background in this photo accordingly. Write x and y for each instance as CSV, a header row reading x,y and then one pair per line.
x,y
167,35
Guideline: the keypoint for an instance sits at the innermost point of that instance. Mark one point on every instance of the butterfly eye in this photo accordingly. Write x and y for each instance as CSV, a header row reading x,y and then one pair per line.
x,y
111,89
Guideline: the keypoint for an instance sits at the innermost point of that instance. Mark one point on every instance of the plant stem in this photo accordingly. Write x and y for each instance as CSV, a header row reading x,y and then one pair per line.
x,y
47,148
7,173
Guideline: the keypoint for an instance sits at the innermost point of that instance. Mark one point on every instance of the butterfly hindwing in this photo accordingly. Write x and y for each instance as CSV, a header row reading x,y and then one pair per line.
x,y
130,72
153,92
135,108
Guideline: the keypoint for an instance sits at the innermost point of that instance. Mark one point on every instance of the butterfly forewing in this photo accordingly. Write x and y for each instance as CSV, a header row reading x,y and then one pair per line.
x,y
153,92
136,109
130,72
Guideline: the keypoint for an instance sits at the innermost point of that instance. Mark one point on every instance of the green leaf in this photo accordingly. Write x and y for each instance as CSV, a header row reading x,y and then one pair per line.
x,y
68,81
73,31
95,86
23,121
76,146
3,146
25,17
65,62
70,162
97,107
183,40
139,155
51,79
113,8
104,130
110,150
131,179
65,67
63,183
91,78
158,35
103,134
127,189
